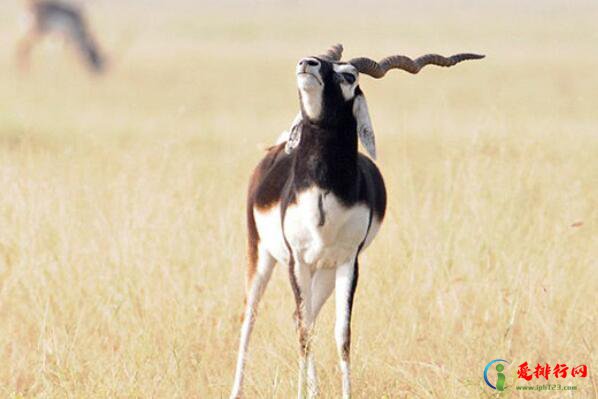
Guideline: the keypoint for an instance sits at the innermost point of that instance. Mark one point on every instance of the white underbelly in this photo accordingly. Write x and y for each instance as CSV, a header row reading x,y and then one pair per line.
x,y
322,233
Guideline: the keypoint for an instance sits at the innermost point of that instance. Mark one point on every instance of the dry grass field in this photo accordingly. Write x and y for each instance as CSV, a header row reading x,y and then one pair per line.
x,y
122,234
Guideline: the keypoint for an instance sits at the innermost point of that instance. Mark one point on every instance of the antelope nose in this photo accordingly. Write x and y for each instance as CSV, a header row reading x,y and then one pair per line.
x,y
305,62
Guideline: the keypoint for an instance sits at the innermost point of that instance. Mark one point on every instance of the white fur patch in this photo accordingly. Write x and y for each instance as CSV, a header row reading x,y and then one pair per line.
x,y
311,95
284,136
270,232
325,246
322,285
311,87
348,89
292,136
365,130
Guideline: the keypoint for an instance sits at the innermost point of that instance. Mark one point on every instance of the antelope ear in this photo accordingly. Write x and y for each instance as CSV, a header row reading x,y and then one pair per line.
x,y
365,131
294,135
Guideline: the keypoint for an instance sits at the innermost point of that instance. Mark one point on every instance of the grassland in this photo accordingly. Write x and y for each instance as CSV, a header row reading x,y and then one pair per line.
x,y
121,201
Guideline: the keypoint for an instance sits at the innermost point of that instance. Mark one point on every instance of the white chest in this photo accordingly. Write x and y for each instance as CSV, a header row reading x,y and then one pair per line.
x,y
320,230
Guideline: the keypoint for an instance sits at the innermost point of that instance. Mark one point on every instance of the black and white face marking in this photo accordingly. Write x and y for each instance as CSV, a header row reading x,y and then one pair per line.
x,y
328,92
317,78
348,79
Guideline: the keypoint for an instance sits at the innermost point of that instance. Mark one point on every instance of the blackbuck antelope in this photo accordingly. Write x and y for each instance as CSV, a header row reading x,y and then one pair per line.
x,y
48,17
315,202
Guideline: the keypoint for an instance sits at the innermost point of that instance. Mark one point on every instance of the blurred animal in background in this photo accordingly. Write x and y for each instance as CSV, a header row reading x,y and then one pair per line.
x,y
49,17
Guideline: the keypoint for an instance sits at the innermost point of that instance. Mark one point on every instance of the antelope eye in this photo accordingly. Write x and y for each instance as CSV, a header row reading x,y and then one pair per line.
x,y
349,77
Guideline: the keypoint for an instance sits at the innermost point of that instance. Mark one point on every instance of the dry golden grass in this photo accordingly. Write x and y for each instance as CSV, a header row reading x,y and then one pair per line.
x,y
121,202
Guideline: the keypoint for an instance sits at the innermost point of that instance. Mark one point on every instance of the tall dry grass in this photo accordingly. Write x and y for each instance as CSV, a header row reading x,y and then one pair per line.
x,y
121,201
